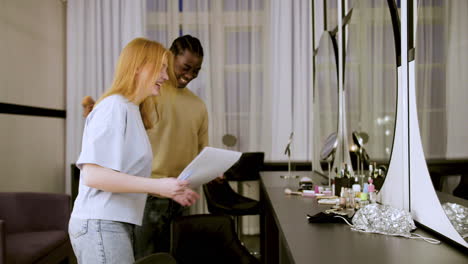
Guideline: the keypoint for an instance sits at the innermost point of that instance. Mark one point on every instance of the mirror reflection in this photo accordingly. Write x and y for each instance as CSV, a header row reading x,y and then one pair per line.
x,y
325,93
370,85
441,60
331,11
327,153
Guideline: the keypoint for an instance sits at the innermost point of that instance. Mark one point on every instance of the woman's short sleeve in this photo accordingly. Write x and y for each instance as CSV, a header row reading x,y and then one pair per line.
x,y
104,137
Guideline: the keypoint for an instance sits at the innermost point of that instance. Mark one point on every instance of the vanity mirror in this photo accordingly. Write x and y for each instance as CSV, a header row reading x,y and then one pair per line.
x,y
370,84
325,95
327,154
331,11
441,60
329,147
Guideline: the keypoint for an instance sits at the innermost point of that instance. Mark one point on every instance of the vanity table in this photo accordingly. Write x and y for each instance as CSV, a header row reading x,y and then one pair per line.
x,y
287,237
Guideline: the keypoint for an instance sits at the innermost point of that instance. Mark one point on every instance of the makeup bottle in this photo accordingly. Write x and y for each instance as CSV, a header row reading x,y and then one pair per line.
x,y
350,201
343,197
364,195
356,186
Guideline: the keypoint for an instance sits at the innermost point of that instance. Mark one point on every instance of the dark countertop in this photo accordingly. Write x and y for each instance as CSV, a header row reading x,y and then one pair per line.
x,y
447,198
336,243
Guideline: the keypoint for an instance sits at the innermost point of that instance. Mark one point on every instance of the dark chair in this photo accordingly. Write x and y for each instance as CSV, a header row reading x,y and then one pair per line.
x,y
157,258
34,228
207,239
462,189
222,199
247,168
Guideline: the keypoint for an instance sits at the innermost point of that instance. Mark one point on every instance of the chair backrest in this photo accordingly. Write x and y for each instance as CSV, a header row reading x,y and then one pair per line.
x,y
207,239
220,192
29,211
247,167
159,258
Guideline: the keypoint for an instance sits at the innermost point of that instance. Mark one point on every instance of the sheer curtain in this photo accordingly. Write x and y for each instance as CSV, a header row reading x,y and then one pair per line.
x,y
96,33
457,79
441,61
441,81
291,75
431,76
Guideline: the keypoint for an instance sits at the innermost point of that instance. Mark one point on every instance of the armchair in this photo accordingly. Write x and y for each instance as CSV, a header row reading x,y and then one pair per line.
x,y
34,228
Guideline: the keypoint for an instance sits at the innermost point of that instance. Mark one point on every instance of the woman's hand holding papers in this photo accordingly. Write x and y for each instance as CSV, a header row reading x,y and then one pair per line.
x,y
188,198
109,180
177,190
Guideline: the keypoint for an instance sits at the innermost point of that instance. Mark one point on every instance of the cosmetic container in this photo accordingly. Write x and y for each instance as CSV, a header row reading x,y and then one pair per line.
x,y
356,186
343,197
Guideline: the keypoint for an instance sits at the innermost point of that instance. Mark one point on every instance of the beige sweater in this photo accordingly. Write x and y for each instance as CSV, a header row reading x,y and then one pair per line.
x,y
180,133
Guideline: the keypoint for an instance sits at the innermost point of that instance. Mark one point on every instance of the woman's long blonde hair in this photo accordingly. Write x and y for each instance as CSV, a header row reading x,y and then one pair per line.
x,y
137,54
169,88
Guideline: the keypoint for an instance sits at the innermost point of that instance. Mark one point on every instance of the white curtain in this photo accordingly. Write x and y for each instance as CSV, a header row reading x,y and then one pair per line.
x,y
280,67
431,76
441,81
441,61
96,33
457,79
291,78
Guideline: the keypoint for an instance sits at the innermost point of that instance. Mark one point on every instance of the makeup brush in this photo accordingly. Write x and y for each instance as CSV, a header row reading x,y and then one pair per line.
x,y
290,192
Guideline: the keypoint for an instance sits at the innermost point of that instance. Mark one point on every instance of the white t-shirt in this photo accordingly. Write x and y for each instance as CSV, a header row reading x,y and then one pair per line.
x,y
114,137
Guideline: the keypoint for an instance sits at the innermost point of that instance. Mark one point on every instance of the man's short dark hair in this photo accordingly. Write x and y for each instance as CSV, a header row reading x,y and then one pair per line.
x,y
186,42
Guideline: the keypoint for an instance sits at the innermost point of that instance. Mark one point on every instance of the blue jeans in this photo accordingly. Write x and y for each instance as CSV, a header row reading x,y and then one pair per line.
x,y
101,241
154,234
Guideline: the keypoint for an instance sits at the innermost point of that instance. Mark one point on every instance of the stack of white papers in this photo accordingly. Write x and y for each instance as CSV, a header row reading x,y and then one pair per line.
x,y
209,164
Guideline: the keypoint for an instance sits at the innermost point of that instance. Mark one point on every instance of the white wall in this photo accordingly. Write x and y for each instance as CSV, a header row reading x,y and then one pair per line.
x,y
32,73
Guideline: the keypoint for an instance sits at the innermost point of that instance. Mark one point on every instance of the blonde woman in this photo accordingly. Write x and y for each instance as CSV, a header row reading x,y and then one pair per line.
x,y
115,160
